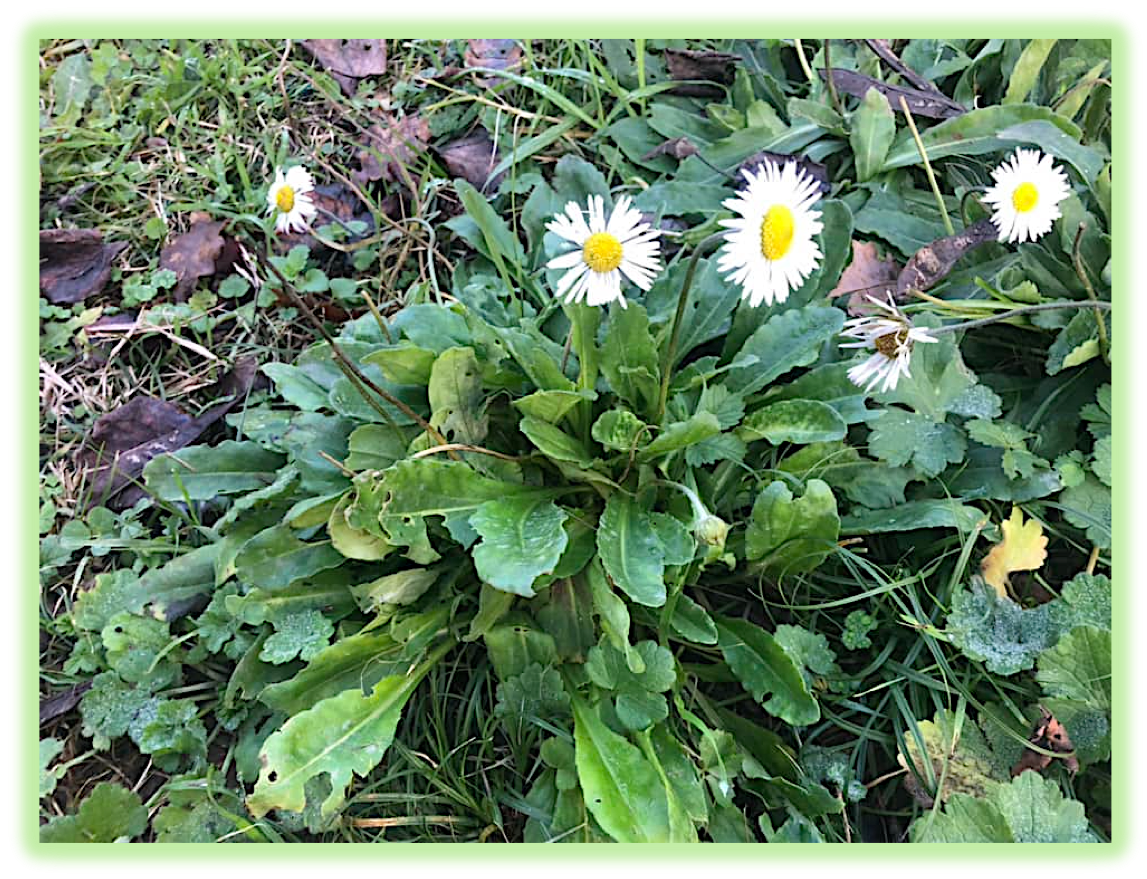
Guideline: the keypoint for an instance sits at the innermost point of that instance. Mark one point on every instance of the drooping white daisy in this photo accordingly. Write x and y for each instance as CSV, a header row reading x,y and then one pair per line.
x,y
623,245
770,249
1025,198
289,196
892,335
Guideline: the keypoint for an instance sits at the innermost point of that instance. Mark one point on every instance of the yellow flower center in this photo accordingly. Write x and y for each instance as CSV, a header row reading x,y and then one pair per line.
x,y
1025,197
285,199
889,344
602,252
777,232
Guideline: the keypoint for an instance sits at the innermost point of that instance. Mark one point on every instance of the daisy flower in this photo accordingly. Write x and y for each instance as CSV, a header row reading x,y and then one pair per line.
x,y
892,335
770,249
289,196
623,245
1026,195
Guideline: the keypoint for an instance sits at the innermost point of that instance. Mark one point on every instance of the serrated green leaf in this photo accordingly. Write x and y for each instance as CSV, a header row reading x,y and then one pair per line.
x,y
763,668
522,538
1088,506
638,700
617,429
304,634
1079,668
345,735
108,813
902,438
997,631
535,693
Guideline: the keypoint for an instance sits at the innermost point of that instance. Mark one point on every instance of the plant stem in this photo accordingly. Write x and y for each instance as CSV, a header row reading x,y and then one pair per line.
x,y
830,81
675,334
1027,309
1077,260
927,166
803,61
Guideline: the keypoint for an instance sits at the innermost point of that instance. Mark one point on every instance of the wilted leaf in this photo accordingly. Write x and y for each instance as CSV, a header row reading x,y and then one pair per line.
x,y
349,60
929,104
494,54
677,147
956,752
472,158
1023,548
75,263
703,65
1050,735
934,261
865,276
390,146
193,254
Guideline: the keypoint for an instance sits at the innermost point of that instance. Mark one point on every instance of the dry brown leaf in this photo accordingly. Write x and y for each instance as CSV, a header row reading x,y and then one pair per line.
x,y
1051,735
929,104
75,263
1023,548
193,255
867,275
932,262
494,54
348,61
391,143
701,67
678,148
473,158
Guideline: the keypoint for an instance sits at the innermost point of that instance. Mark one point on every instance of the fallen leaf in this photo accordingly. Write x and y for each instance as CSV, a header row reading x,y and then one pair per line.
x,y
929,104
391,143
702,67
1023,548
75,263
62,703
348,61
122,441
678,148
473,158
1051,735
932,262
494,54
193,254
815,170
884,50
866,275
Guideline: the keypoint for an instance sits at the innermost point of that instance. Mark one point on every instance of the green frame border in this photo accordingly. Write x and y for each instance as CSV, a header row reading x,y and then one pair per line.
x,y
27,323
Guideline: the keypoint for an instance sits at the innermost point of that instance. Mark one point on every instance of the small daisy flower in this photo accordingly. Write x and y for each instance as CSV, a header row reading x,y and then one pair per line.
x,y
892,335
289,196
623,245
1026,195
770,249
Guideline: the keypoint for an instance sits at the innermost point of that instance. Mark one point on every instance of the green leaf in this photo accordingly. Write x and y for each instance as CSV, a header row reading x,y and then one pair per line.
x,y
555,443
794,421
108,813
638,700
1076,343
500,242
613,615
353,542
1028,809
617,429
353,661
201,473
536,693
680,435
516,644
304,634
1079,668
631,551
455,392
692,622
911,516
275,558
830,385
810,652
997,631
49,750
551,406
1027,69
344,736
763,668
72,84
900,438
622,790
1088,506
973,134
792,536
522,538
404,364
296,387
629,358
403,587
138,650
708,310
787,340
873,127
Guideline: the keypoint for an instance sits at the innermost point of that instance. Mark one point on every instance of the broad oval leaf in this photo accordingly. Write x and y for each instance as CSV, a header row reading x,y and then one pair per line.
x,y
522,538
631,551
794,421
763,668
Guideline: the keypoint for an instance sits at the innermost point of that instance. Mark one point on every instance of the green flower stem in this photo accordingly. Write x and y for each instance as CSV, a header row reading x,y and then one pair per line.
x,y
675,334
927,167
1015,312
1077,260
583,330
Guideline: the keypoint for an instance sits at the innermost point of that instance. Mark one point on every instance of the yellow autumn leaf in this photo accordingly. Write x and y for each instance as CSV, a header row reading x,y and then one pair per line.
x,y
1024,548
